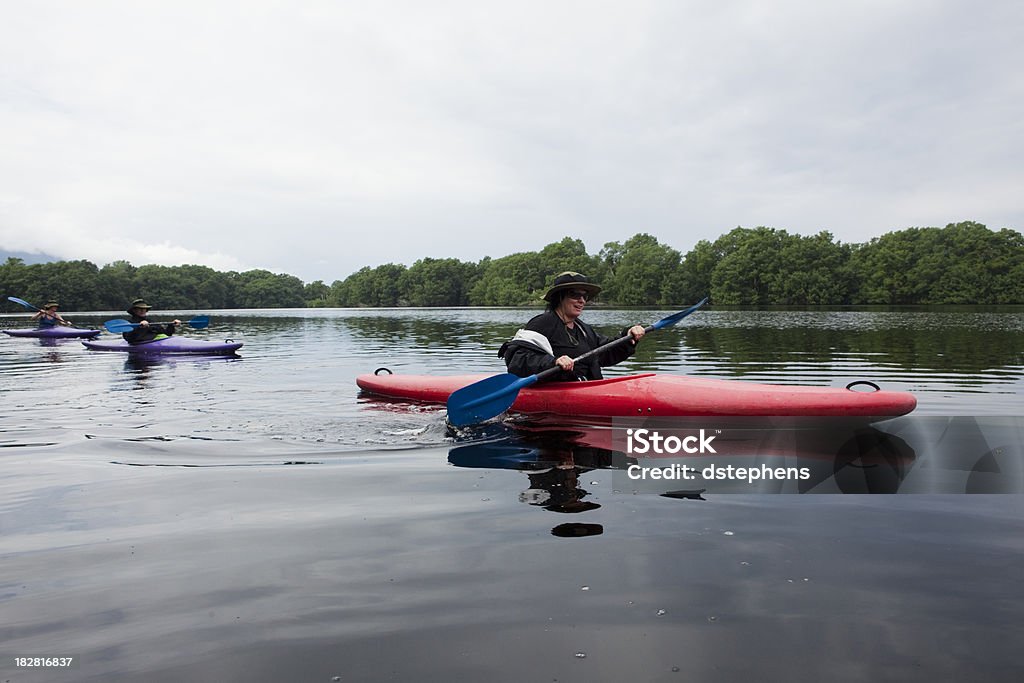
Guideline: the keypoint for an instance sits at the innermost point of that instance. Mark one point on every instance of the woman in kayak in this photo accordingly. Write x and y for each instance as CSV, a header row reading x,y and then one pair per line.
x,y
557,335
146,331
49,317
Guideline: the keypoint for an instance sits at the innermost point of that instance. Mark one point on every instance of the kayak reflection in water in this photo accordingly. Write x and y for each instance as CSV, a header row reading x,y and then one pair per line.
x,y
557,335
49,317
146,331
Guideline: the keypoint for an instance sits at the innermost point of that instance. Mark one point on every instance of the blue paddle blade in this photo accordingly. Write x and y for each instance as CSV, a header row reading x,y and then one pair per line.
x,y
199,322
22,302
485,399
676,317
118,326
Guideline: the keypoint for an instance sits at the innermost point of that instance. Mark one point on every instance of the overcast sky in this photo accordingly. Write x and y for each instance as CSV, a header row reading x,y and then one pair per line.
x,y
314,138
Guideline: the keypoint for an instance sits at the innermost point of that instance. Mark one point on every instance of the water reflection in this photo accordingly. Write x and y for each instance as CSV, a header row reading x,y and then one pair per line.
x,y
870,461
750,341
908,455
423,332
557,488
554,458
553,465
964,454
577,530
771,349
140,365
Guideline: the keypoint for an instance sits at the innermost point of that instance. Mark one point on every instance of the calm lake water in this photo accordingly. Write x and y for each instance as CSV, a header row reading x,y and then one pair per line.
x,y
256,518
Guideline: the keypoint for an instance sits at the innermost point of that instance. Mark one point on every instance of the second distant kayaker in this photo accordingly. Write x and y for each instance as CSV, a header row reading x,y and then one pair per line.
x,y
48,316
146,331
557,335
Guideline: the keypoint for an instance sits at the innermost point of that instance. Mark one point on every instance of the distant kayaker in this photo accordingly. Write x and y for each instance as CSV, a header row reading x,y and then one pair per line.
x,y
558,335
146,331
49,317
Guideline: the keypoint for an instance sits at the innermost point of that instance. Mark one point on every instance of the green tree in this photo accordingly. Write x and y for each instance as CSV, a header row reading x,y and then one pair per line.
x,y
977,265
1006,267
73,284
815,271
750,269
208,288
370,287
521,279
569,254
14,282
642,272
693,278
438,282
164,287
263,289
316,294
513,280
117,285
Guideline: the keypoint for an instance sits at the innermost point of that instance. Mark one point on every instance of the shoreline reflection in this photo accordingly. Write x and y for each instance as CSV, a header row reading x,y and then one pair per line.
x,y
928,454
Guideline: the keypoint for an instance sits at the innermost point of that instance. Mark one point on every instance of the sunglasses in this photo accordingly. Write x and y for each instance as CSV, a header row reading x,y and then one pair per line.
x,y
578,294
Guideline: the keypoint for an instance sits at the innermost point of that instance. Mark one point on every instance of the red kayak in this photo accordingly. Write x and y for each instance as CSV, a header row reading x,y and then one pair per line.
x,y
654,395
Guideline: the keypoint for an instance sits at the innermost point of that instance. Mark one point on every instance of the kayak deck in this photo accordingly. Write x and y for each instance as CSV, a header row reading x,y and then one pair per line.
x,y
654,395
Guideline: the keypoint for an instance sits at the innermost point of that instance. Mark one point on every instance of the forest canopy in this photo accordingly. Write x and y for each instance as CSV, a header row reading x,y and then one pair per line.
x,y
962,263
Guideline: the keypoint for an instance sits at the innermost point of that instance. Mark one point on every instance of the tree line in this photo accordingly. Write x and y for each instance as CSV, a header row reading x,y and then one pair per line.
x,y
963,263
82,286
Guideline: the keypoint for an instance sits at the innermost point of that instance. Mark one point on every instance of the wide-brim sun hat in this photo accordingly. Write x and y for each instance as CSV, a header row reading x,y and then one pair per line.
x,y
140,303
51,304
571,280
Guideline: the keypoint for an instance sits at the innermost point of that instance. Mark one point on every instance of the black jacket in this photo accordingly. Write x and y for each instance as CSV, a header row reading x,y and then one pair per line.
x,y
141,335
525,359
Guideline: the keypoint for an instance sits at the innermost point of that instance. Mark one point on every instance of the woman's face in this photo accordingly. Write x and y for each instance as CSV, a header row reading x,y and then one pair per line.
x,y
572,303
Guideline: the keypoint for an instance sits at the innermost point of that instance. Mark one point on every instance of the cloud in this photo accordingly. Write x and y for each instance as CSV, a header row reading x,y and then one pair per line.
x,y
319,138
